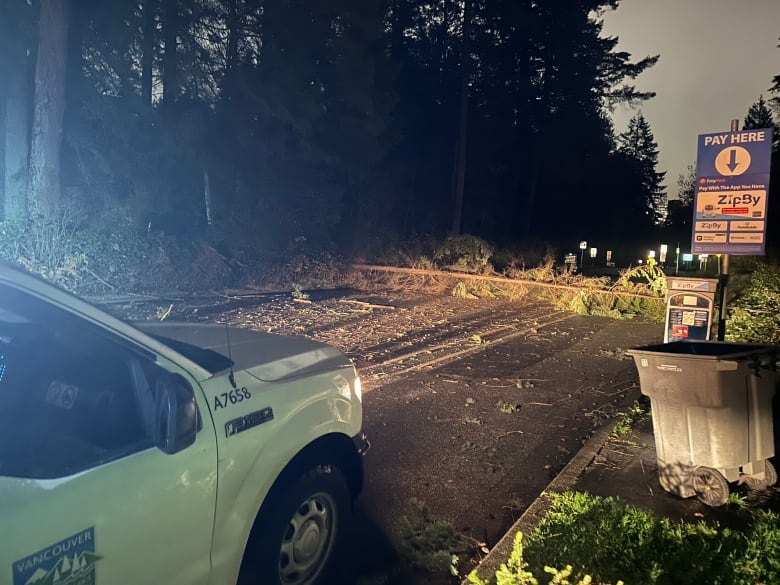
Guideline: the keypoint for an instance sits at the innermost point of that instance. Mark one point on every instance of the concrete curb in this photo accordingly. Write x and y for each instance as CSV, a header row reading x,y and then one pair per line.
x,y
562,482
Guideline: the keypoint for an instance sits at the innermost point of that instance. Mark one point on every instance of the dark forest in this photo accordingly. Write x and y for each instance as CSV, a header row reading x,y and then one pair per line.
x,y
285,125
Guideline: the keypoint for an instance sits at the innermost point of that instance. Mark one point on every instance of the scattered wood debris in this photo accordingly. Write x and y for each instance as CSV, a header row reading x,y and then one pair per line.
x,y
368,305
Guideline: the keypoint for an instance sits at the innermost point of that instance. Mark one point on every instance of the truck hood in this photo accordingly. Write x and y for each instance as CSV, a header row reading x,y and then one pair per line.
x,y
265,356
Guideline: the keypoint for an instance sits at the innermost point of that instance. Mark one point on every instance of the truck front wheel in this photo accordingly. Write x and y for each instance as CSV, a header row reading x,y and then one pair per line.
x,y
296,535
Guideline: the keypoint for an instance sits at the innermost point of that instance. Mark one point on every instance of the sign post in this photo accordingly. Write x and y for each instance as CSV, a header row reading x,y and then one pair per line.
x,y
730,204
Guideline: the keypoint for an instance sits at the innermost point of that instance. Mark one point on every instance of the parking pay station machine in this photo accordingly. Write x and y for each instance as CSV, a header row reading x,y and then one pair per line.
x,y
689,308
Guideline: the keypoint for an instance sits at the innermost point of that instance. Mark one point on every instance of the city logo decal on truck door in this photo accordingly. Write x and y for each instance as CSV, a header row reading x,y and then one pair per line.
x,y
71,561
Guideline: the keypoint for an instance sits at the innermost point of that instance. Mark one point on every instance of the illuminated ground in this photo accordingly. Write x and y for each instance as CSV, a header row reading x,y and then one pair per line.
x,y
472,406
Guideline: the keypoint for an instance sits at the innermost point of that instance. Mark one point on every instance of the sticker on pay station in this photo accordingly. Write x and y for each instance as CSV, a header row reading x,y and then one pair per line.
x,y
746,237
746,226
712,226
711,238
731,205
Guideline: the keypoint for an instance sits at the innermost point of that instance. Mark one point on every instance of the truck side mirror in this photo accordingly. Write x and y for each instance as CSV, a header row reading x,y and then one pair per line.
x,y
177,414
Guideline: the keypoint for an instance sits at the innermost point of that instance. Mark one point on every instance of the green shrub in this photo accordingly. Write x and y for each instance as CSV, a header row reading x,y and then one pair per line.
x,y
109,256
429,544
604,303
514,571
45,247
629,417
642,279
754,317
464,252
609,540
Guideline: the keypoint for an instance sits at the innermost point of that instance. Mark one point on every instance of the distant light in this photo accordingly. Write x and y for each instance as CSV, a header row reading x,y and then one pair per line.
x,y
609,255
651,254
593,252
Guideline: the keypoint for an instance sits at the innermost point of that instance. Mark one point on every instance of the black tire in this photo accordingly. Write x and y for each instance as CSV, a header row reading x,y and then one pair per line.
x,y
770,478
296,536
710,486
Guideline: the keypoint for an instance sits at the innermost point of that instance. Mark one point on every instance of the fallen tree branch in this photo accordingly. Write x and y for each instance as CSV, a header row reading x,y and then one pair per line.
x,y
496,279
112,287
368,305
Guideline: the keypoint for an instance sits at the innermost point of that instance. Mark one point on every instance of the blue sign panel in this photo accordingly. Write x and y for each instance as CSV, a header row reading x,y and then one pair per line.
x,y
732,183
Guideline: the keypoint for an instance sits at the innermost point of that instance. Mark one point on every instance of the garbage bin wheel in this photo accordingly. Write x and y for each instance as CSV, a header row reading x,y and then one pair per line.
x,y
770,478
710,486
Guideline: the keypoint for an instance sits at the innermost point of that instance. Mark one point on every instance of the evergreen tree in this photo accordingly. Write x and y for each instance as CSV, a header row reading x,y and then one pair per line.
x,y
311,117
773,213
759,115
775,90
537,71
680,216
638,144
578,75
686,186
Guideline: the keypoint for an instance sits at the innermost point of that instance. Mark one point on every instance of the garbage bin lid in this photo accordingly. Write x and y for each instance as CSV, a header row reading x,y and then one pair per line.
x,y
706,349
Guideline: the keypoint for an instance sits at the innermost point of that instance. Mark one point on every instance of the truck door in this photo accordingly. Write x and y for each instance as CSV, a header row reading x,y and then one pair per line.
x,y
85,495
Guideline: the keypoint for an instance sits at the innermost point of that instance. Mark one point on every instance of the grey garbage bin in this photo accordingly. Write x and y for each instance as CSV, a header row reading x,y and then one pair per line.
x,y
711,407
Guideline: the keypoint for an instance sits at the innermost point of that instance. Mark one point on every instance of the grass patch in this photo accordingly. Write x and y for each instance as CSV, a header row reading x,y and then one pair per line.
x,y
609,541
627,419
507,407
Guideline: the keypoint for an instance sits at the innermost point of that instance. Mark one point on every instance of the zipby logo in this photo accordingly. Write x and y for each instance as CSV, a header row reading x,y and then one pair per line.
x,y
70,561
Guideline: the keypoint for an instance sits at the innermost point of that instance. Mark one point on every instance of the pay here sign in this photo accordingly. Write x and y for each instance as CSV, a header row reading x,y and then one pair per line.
x,y
732,182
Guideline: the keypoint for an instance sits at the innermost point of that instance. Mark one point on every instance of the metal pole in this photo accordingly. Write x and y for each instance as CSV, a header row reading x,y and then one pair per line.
x,y
724,274
677,259
724,281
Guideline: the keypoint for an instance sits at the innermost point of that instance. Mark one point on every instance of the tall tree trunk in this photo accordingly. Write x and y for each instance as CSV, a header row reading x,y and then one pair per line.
x,y
233,35
530,189
170,59
16,147
147,47
207,204
444,57
79,15
48,109
230,115
462,148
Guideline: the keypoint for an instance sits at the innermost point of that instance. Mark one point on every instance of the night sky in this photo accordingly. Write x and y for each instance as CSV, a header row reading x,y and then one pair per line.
x,y
717,57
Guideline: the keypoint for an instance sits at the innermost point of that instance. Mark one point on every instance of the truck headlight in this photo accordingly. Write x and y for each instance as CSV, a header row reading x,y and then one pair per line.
x,y
357,387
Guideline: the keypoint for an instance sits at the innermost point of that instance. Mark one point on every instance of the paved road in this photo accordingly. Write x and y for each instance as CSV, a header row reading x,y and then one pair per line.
x,y
479,433
472,406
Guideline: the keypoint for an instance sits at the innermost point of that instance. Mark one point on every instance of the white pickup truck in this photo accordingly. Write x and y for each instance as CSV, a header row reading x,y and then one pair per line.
x,y
176,453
